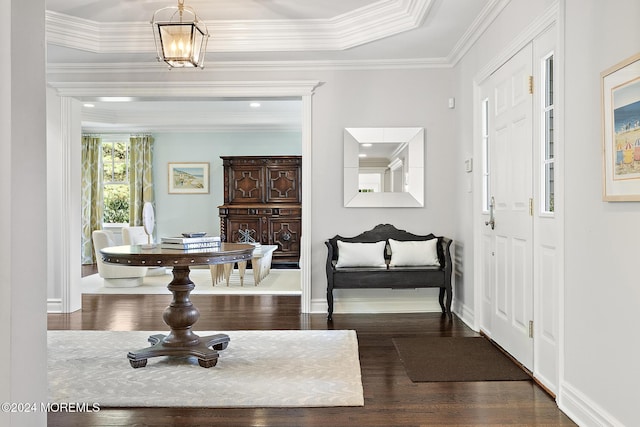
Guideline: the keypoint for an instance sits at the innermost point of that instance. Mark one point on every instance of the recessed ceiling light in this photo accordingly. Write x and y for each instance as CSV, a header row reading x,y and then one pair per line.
x,y
366,145
254,105
116,99
362,155
88,105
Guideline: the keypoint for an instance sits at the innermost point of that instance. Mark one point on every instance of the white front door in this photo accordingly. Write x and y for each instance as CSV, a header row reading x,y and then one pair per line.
x,y
507,255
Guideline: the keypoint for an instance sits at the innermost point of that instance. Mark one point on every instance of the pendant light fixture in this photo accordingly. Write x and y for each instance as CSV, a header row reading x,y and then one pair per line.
x,y
181,38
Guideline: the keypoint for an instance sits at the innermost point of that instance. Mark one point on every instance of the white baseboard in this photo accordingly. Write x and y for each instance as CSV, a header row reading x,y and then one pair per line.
x,y
54,305
464,313
582,410
396,304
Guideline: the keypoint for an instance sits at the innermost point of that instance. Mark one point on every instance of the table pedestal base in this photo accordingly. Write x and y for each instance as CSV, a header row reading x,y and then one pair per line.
x,y
205,349
180,316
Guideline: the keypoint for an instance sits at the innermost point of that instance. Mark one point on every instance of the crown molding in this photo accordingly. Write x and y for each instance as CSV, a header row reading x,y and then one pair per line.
x,y
488,14
250,66
186,89
369,23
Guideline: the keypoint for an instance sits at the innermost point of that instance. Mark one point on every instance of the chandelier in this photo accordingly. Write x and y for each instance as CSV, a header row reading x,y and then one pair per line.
x,y
181,38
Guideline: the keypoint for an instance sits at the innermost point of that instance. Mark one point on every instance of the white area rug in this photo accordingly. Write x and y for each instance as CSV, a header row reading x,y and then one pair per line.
x,y
278,282
257,369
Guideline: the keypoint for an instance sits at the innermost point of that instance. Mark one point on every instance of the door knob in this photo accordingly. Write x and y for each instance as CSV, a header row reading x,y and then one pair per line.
x,y
492,220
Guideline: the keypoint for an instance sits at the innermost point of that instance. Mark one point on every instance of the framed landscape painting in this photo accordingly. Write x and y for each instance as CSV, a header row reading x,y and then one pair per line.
x,y
188,178
621,131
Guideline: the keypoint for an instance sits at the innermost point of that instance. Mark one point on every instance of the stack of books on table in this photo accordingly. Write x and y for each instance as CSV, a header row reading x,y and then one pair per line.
x,y
188,243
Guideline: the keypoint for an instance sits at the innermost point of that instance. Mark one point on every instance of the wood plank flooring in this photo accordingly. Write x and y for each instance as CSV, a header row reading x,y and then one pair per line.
x,y
391,399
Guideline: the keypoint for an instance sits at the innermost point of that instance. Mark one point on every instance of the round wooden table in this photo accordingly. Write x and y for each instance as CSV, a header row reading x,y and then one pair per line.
x,y
181,314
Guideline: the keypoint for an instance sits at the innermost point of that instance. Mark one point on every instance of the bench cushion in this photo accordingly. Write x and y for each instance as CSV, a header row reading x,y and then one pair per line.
x,y
361,254
414,253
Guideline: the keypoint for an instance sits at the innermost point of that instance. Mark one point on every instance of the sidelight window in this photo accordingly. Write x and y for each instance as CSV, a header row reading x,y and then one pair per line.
x,y
548,147
486,190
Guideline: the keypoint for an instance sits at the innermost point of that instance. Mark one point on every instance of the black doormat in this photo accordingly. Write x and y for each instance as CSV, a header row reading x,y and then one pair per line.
x,y
433,359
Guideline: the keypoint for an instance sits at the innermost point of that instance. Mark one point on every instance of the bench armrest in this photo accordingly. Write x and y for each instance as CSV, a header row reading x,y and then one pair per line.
x,y
448,263
329,266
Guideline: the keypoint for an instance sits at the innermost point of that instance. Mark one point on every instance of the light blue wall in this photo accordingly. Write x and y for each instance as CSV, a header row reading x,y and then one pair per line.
x,y
177,213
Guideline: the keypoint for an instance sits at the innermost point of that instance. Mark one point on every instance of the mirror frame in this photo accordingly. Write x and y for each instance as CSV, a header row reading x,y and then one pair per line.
x,y
414,138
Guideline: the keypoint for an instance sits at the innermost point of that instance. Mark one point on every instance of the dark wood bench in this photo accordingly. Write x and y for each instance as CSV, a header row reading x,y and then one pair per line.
x,y
393,277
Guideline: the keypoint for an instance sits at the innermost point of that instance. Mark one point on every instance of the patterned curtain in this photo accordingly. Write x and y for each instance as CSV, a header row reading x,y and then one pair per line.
x,y
140,176
91,194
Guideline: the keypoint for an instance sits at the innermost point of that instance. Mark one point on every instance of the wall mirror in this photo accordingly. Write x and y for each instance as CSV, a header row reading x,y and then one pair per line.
x,y
384,167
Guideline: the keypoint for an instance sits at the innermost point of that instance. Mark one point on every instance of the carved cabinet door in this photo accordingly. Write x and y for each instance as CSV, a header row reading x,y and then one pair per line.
x,y
283,184
285,233
246,184
247,225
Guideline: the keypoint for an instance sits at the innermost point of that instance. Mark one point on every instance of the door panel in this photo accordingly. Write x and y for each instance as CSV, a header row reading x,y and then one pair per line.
x,y
510,148
488,274
502,274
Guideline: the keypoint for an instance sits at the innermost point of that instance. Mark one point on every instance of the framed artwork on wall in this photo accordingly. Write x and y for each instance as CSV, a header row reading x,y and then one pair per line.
x,y
620,86
188,178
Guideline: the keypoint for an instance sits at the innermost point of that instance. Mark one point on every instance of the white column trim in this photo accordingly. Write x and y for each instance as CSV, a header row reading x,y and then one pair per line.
x,y
305,244
63,254
71,291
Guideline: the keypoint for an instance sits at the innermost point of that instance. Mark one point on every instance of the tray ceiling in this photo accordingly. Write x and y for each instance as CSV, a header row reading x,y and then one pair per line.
x,y
107,31
115,36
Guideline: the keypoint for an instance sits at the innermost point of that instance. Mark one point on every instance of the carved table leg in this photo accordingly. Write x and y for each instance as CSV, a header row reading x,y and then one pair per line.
x,y
217,273
180,316
228,269
242,267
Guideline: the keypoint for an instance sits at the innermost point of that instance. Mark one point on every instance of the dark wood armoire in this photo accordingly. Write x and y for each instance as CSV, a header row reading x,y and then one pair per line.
x,y
262,198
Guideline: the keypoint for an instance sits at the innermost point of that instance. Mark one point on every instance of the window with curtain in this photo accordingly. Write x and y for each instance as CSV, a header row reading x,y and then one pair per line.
x,y
91,194
140,176
117,180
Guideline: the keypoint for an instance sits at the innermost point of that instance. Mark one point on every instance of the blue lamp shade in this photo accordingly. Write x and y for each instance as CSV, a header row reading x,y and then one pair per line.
x,y
181,39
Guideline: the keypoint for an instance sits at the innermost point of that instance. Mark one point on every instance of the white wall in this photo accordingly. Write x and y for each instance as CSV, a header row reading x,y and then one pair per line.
x,y
384,98
602,292
23,354
201,209
599,372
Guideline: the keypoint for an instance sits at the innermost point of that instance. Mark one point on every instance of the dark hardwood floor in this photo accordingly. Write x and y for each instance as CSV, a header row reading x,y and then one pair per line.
x,y
391,399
